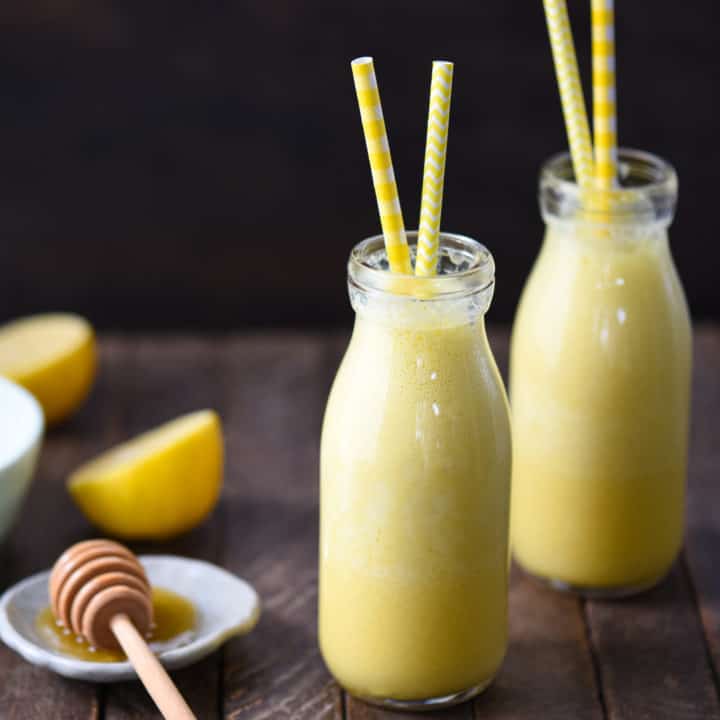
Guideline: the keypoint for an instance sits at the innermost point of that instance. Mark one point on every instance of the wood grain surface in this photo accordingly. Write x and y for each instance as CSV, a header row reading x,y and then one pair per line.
x,y
652,657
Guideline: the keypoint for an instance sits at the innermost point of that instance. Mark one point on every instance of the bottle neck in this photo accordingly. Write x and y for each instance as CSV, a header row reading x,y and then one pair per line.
x,y
413,315
619,236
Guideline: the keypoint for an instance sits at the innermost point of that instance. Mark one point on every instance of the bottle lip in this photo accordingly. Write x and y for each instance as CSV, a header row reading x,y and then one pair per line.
x,y
647,192
466,267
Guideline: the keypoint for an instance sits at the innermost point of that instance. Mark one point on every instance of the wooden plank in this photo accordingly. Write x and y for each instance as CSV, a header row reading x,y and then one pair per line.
x,y
703,536
198,685
276,393
651,650
167,378
49,523
651,655
548,671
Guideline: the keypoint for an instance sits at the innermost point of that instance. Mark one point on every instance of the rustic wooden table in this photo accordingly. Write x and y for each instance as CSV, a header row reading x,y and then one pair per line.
x,y
654,657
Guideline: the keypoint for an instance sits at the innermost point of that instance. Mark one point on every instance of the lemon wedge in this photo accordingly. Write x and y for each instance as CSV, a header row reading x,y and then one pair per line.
x,y
157,485
53,356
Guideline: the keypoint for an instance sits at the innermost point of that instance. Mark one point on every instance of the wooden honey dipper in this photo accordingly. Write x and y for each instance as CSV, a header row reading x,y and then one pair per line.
x,y
99,590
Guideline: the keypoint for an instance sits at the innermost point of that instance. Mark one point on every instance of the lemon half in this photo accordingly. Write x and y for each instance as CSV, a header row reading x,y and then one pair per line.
x,y
53,356
157,485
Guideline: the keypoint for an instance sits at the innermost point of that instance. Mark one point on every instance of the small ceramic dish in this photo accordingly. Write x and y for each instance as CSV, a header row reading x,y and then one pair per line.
x,y
21,429
225,606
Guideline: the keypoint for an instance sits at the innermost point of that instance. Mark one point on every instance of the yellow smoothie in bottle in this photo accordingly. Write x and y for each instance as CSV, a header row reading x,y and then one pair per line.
x,y
599,384
415,470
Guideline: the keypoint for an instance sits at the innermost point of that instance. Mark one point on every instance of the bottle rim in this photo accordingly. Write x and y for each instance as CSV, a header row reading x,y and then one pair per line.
x,y
368,269
647,192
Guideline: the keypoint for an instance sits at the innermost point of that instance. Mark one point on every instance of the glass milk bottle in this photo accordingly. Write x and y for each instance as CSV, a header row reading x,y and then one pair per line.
x,y
599,385
414,486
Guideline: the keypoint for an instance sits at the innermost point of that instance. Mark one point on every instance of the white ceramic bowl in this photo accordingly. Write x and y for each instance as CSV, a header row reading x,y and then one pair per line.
x,y
226,606
21,429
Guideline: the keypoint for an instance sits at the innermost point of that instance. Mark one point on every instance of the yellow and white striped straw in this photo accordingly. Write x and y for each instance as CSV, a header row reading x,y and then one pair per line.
x,y
434,169
378,148
604,108
571,94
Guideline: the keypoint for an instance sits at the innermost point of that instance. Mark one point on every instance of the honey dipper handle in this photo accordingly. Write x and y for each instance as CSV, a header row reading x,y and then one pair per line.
x,y
152,674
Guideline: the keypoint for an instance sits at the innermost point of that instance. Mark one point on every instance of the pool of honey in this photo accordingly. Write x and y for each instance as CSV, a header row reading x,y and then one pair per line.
x,y
175,620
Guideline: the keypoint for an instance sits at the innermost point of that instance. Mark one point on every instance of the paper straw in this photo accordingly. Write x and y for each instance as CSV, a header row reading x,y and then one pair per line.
x,y
571,95
381,167
604,109
434,169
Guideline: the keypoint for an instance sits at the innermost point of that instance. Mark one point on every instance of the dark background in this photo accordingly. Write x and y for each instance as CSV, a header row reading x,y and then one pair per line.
x,y
201,165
